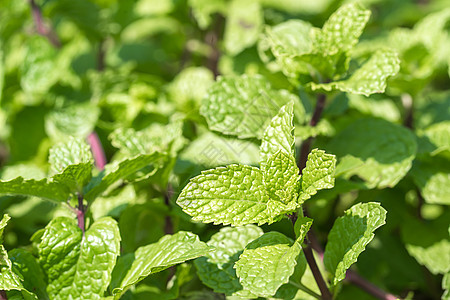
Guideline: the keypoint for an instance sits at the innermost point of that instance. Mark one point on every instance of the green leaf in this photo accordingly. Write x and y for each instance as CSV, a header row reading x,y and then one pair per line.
x,y
243,106
74,177
191,84
9,279
25,264
349,237
77,121
318,173
370,78
76,266
243,25
342,30
234,194
44,188
203,9
74,151
439,136
39,71
269,261
385,150
168,251
216,270
446,286
286,41
433,179
428,242
122,170
281,178
278,136
212,150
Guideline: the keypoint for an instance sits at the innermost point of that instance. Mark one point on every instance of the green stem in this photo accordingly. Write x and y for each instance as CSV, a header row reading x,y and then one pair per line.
x,y
304,289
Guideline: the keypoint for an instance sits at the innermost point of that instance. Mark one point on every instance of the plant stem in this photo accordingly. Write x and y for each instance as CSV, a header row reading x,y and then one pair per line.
x,y
306,145
41,28
168,224
326,295
367,286
305,289
301,163
407,103
81,211
212,38
97,150
3,295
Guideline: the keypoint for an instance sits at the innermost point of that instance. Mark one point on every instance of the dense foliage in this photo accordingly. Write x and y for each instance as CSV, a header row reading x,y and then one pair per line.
x,y
212,149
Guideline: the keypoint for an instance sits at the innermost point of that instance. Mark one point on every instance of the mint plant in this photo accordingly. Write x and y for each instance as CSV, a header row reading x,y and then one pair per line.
x,y
224,149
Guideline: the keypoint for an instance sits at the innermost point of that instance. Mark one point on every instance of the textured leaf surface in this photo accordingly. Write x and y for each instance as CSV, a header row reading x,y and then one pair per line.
x,y
342,30
76,266
429,242
122,170
318,173
433,179
77,121
286,41
244,23
229,195
281,178
370,78
267,263
25,264
168,251
350,235
216,269
191,84
242,106
9,279
363,140
278,135
211,150
40,188
72,152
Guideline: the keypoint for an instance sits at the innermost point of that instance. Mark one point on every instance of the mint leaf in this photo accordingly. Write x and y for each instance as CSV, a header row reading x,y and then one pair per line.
x,y
318,173
363,140
242,106
281,178
350,235
244,23
74,151
286,42
77,266
122,170
77,121
278,135
433,179
268,262
342,30
216,270
203,9
370,78
9,279
234,194
44,188
25,264
212,150
191,84
428,242
168,251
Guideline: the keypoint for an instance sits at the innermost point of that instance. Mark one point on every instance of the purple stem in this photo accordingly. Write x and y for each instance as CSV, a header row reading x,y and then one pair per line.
x,y
81,211
3,295
40,26
97,150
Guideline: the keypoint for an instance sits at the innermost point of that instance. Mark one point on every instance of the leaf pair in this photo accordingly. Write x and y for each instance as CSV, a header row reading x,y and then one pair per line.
x,y
72,165
81,267
250,264
240,194
299,48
